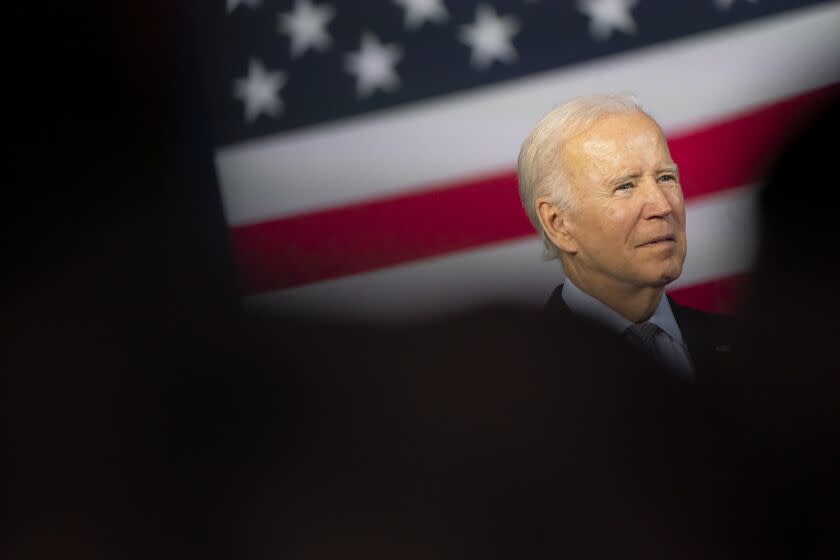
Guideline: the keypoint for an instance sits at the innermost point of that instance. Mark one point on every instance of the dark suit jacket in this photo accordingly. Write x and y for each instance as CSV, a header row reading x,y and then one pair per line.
x,y
708,336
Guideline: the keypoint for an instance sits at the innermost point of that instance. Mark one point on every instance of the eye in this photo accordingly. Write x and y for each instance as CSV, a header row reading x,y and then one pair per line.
x,y
624,187
667,178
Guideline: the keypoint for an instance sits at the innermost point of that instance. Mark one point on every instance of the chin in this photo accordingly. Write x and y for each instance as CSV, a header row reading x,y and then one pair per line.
x,y
662,278
670,269
669,276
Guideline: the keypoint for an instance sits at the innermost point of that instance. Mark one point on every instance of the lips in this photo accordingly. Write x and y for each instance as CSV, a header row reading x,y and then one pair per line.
x,y
667,238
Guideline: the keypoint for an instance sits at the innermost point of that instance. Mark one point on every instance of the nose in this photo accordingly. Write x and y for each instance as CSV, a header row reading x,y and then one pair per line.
x,y
656,201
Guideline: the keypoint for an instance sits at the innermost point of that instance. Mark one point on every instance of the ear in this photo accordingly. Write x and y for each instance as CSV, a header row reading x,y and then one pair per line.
x,y
554,223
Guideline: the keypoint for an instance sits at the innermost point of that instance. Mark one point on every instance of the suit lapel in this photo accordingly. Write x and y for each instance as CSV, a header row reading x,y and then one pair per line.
x,y
707,336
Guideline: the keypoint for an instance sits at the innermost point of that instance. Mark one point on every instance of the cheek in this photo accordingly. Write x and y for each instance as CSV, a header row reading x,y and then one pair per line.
x,y
614,215
679,213
678,204
606,227
618,222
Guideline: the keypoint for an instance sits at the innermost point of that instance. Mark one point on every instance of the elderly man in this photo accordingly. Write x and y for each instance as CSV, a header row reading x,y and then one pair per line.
x,y
598,183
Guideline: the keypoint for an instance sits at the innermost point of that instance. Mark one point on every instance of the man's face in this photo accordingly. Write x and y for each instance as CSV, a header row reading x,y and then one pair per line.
x,y
629,224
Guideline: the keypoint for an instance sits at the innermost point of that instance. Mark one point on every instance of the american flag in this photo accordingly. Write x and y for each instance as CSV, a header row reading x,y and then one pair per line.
x,y
366,150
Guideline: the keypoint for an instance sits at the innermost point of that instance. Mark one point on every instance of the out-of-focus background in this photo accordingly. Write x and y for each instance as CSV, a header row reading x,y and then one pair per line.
x,y
365,151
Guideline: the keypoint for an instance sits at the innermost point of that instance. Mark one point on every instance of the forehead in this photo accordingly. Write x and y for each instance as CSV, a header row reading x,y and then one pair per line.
x,y
618,141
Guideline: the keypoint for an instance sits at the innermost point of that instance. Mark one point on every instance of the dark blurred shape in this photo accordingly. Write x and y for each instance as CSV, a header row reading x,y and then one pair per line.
x,y
784,395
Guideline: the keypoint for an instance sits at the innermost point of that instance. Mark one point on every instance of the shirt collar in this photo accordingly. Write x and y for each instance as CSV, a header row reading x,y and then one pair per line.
x,y
582,303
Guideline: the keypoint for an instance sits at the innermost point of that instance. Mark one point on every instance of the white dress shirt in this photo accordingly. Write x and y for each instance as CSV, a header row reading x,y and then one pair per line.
x,y
669,343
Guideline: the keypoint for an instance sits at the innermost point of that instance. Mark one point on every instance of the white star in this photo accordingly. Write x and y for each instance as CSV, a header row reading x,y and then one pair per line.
x,y
373,65
490,37
306,25
726,4
259,91
232,4
417,12
606,15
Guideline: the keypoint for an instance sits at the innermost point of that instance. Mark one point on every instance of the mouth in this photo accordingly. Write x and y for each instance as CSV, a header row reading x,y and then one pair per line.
x,y
659,240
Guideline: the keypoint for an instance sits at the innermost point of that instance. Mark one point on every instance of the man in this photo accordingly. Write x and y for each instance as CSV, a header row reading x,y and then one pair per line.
x,y
598,183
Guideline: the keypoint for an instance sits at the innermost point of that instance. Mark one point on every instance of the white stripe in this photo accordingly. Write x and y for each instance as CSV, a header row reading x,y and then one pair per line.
x,y
721,240
682,83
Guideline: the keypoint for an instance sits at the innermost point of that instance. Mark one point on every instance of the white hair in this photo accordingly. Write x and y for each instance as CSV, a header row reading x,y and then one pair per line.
x,y
540,167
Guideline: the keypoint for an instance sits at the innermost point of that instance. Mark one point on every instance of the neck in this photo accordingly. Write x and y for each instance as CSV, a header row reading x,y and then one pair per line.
x,y
631,302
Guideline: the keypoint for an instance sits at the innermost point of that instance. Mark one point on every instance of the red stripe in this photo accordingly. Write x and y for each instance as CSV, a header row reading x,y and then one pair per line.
x,y
722,295
737,151
351,239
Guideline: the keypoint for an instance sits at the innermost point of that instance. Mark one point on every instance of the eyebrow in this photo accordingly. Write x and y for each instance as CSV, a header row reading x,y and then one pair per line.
x,y
667,169
623,178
